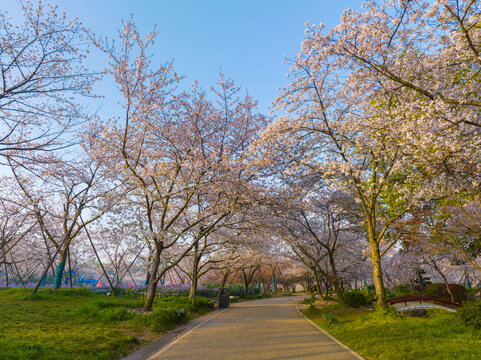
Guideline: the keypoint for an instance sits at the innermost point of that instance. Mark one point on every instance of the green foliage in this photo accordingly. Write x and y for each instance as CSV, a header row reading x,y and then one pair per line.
x,y
403,289
328,309
115,314
435,313
439,290
355,299
470,314
430,290
201,305
312,310
310,300
213,286
386,312
390,294
163,320
459,292
331,318
472,293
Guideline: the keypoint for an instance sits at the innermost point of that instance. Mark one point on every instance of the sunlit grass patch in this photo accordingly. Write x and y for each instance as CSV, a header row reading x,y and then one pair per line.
x,y
440,335
77,324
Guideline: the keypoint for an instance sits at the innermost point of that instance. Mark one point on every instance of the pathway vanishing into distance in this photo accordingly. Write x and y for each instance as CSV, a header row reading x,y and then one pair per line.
x,y
264,329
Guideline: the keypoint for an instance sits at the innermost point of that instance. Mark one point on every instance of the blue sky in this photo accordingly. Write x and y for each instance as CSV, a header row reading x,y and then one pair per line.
x,y
247,38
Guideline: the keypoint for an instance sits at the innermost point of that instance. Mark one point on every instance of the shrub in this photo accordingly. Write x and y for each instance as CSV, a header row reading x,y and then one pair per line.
x,y
354,299
459,292
439,290
201,304
470,314
370,295
310,300
417,287
384,313
472,293
163,320
430,290
81,291
435,313
403,288
114,314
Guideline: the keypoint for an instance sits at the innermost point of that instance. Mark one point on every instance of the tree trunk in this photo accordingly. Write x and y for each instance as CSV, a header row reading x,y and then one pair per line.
x,y
151,290
245,281
444,279
6,274
377,276
69,269
193,288
318,286
266,292
247,278
224,280
60,268
195,270
274,285
339,290
326,288
16,269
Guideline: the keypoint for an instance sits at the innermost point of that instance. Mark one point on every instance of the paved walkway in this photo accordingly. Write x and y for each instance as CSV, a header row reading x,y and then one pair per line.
x,y
265,329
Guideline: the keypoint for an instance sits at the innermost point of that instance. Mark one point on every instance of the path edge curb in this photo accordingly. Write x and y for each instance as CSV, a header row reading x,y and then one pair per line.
x,y
183,334
328,335
148,350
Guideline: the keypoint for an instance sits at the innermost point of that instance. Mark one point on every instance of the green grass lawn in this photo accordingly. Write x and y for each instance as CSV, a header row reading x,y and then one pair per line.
x,y
400,337
78,324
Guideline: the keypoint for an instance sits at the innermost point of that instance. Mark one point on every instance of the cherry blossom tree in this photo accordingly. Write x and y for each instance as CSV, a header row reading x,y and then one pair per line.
x,y
42,80
179,152
58,200
15,225
369,99
423,58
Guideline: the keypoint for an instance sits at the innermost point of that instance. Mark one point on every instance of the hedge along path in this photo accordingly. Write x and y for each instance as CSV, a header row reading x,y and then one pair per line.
x,y
260,329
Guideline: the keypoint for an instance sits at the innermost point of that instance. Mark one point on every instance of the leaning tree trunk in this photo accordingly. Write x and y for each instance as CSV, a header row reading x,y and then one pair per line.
x,y
451,295
318,286
153,280
337,285
6,274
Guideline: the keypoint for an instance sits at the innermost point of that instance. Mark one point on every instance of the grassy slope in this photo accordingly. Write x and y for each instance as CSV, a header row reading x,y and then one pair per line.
x,y
393,337
80,325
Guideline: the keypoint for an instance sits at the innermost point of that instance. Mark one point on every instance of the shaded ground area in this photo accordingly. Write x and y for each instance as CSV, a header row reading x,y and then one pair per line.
x,y
260,329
